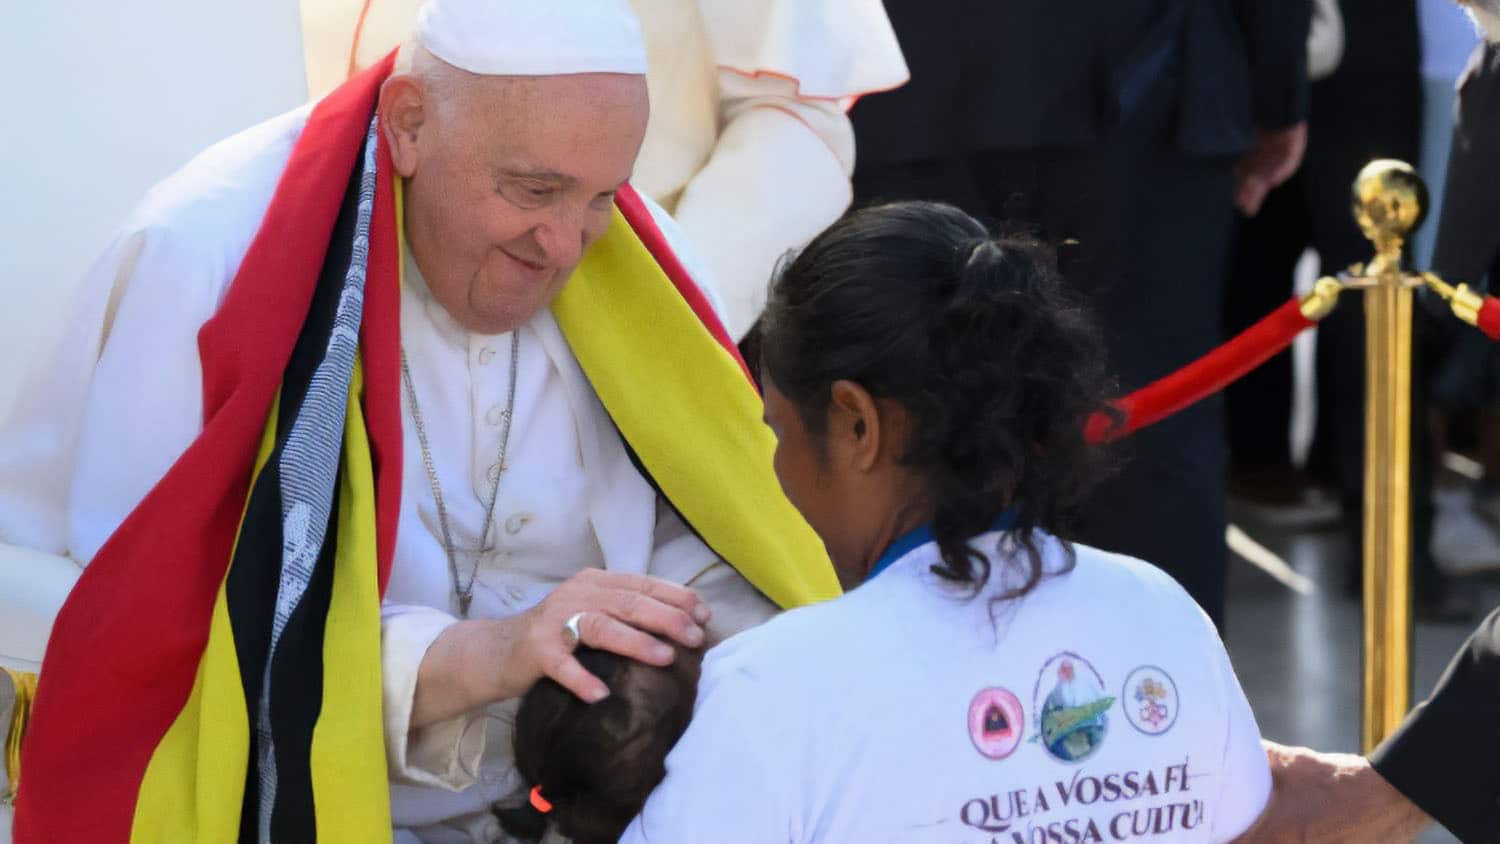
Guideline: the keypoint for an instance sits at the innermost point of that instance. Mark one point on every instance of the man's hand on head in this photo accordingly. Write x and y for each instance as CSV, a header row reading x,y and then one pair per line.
x,y
474,663
1333,798
621,613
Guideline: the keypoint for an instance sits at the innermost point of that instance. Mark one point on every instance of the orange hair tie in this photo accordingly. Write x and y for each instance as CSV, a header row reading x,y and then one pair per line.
x,y
538,802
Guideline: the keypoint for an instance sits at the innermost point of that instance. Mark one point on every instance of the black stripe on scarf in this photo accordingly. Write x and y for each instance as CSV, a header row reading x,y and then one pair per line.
x,y
297,677
254,574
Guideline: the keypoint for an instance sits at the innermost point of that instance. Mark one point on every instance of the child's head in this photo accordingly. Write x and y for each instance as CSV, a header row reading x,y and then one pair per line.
x,y
596,763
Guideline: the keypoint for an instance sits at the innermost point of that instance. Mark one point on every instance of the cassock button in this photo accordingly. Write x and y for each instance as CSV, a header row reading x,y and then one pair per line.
x,y
486,355
514,524
495,416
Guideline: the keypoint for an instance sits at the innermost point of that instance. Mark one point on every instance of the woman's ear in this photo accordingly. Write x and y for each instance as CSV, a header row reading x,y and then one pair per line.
x,y
854,426
403,112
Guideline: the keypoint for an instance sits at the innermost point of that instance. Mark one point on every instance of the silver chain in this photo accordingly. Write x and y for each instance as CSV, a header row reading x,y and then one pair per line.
x,y
463,590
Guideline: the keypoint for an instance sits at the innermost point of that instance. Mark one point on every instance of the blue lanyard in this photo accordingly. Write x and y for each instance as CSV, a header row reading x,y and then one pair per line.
x,y
908,542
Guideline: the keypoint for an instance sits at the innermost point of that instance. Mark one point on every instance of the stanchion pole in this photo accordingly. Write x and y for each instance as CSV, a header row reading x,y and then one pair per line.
x,y
1389,202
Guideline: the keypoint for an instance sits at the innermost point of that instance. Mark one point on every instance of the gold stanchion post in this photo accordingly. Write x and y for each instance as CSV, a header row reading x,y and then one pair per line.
x,y
17,690
1389,202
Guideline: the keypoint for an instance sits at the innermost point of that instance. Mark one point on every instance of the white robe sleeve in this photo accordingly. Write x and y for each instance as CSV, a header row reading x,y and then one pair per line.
x,y
834,49
442,755
39,434
93,395
778,175
779,170
103,412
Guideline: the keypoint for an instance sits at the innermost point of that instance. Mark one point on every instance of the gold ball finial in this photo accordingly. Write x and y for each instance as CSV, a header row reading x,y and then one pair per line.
x,y
1390,201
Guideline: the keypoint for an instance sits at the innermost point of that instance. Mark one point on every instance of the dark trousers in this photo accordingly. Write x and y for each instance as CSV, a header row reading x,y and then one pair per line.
x,y
1312,210
1264,254
1152,231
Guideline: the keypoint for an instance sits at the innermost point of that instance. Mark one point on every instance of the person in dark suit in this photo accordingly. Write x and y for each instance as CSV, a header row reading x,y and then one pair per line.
x,y
1369,106
1468,237
1125,132
1442,764
1468,250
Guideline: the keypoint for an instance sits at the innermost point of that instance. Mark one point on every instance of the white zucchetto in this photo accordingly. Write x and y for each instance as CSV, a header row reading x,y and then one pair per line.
x,y
534,37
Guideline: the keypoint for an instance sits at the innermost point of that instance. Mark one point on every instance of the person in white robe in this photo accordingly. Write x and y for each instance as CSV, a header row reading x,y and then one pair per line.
x,y
746,99
104,414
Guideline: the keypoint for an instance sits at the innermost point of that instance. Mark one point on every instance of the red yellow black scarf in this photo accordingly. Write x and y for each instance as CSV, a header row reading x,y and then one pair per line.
x,y
183,667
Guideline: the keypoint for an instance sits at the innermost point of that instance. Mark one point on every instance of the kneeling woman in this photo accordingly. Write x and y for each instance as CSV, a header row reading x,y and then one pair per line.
x,y
983,679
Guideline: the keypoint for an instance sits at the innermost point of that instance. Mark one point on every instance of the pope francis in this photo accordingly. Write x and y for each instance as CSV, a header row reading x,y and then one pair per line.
x,y
365,419
747,98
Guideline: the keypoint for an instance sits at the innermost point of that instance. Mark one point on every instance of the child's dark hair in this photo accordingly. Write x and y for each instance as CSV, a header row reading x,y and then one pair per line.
x,y
596,763
981,343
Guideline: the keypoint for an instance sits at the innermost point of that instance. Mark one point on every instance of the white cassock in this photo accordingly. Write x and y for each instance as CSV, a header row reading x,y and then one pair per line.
x,y
101,418
749,146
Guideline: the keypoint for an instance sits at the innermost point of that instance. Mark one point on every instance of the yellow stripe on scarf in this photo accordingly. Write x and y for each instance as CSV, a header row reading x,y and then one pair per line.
x,y
195,783
686,408
194,786
350,785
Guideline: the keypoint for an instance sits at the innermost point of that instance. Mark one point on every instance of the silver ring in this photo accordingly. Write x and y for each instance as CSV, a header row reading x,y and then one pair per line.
x,y
570,627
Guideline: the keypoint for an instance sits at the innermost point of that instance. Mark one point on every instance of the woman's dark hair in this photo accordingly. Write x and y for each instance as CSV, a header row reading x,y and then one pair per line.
x,y
596,763
977,338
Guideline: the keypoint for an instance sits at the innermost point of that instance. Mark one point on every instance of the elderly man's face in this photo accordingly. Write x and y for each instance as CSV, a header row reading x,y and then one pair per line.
x,y
509,180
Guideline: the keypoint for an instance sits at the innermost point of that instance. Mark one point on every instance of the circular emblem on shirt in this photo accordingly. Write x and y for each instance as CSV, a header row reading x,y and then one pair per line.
x,y
1071,708
996,722
1149,698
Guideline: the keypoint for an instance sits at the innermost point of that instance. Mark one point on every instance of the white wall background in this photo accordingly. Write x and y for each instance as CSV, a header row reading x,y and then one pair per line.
x,y
103,99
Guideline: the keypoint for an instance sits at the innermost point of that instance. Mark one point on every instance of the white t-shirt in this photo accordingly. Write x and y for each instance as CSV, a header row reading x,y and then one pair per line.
x,y
1100,707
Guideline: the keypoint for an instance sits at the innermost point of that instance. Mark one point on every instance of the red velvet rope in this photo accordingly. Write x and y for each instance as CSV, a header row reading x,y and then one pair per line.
x,y
1213,372
1489,318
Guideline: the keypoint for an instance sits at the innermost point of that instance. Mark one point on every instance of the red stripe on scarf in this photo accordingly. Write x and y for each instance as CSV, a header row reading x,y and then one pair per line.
x,y
126,646
634,209
381,350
